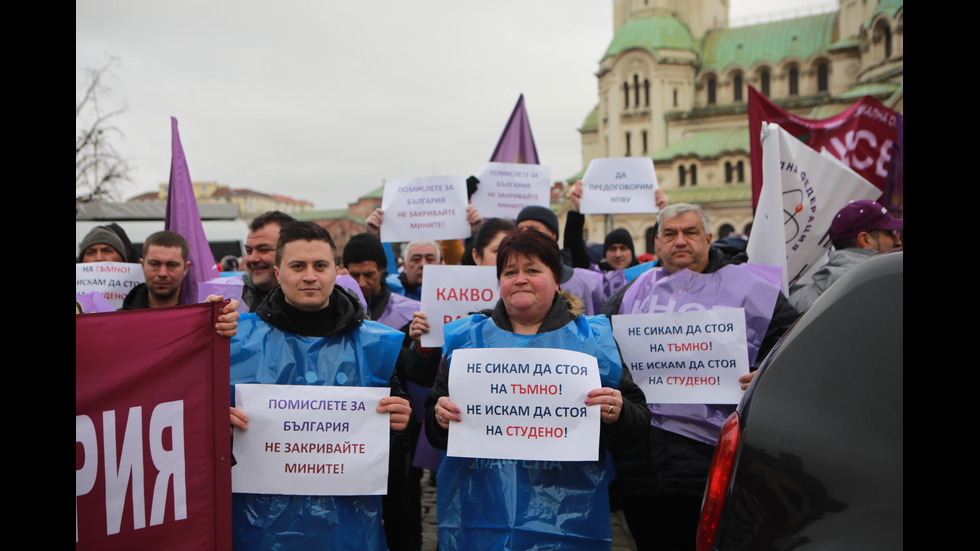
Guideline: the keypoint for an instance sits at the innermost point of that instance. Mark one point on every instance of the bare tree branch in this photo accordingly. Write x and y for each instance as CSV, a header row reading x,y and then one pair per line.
x,y
99,168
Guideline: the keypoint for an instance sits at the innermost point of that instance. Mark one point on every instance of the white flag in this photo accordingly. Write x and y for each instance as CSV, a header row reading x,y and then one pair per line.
x,y
802,191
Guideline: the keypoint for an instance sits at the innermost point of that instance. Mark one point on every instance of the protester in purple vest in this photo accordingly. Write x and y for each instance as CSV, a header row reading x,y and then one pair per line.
x,y
661,484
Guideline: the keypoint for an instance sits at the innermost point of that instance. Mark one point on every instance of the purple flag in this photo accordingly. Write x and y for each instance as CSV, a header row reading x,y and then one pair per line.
x,y
184,218
516,144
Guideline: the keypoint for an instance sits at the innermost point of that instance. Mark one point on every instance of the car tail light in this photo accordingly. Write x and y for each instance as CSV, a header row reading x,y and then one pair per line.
x,y
722,464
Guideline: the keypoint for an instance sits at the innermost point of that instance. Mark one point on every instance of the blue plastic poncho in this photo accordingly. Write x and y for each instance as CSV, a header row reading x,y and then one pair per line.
x,y
261,353
496,504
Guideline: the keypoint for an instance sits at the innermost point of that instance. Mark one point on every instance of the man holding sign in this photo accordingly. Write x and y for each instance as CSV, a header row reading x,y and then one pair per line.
x,y
311,332
663,507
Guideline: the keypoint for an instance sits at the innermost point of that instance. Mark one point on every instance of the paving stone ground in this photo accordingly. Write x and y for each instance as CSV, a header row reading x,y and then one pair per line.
x,y
621,539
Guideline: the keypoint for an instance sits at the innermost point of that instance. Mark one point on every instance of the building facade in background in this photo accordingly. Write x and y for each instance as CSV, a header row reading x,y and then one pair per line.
x,y
250,203
673,86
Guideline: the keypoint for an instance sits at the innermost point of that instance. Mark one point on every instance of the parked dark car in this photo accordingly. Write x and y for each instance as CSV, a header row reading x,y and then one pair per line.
x,y
813,456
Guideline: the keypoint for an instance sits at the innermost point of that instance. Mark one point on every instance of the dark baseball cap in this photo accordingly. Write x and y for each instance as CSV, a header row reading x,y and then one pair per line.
x,y
862,216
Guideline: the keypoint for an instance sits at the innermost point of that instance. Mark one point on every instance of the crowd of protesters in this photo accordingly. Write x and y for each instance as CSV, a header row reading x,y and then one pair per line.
x,y
654,458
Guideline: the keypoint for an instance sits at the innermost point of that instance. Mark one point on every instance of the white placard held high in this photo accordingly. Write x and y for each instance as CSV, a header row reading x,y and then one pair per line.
x,y
524,403
506,188
429,208
693,357
311,440
619,185
451,292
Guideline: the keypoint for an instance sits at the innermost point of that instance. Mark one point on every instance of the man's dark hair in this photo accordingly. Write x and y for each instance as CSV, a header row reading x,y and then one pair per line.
x,y
363,247
167,238
302,231
488,231
850,243
532,244
271,217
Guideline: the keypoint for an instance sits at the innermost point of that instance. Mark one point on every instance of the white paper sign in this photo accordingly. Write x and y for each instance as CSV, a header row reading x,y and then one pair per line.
x,y
693,357
429,208
506,188
524,403
451,292
311,440
619,185
113,279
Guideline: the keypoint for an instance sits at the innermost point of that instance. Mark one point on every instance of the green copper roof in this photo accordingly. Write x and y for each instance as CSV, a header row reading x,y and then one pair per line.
x,y
772,42
709,143
592,120
651,33
888,7
871,89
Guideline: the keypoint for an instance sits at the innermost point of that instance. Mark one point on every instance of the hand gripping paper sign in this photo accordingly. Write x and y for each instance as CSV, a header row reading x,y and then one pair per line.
x,y
506,188
432,207
524,403
451,292
693,357
619,186
311,440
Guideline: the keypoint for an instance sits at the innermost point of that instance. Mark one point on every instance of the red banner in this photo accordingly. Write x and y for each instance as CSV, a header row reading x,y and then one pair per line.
x,y
863,137
152,447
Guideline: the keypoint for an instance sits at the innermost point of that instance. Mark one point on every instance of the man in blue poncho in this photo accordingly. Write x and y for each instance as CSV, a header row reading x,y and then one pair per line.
x,y
309,331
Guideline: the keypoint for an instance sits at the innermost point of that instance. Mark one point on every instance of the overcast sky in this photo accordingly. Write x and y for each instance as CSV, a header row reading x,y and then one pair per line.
x,y
325,100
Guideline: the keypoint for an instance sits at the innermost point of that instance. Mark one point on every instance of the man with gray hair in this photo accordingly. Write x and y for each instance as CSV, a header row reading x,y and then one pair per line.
x,y
418,255
663,482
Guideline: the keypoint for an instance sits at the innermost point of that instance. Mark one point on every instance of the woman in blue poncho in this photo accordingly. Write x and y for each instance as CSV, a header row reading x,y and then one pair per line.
x,y
484,504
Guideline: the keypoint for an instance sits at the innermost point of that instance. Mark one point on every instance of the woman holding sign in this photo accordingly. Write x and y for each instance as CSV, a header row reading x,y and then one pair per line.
x,y
522,504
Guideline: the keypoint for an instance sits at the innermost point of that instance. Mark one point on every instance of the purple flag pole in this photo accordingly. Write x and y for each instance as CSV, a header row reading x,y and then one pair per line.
x,y
893,196
184,218
516,144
